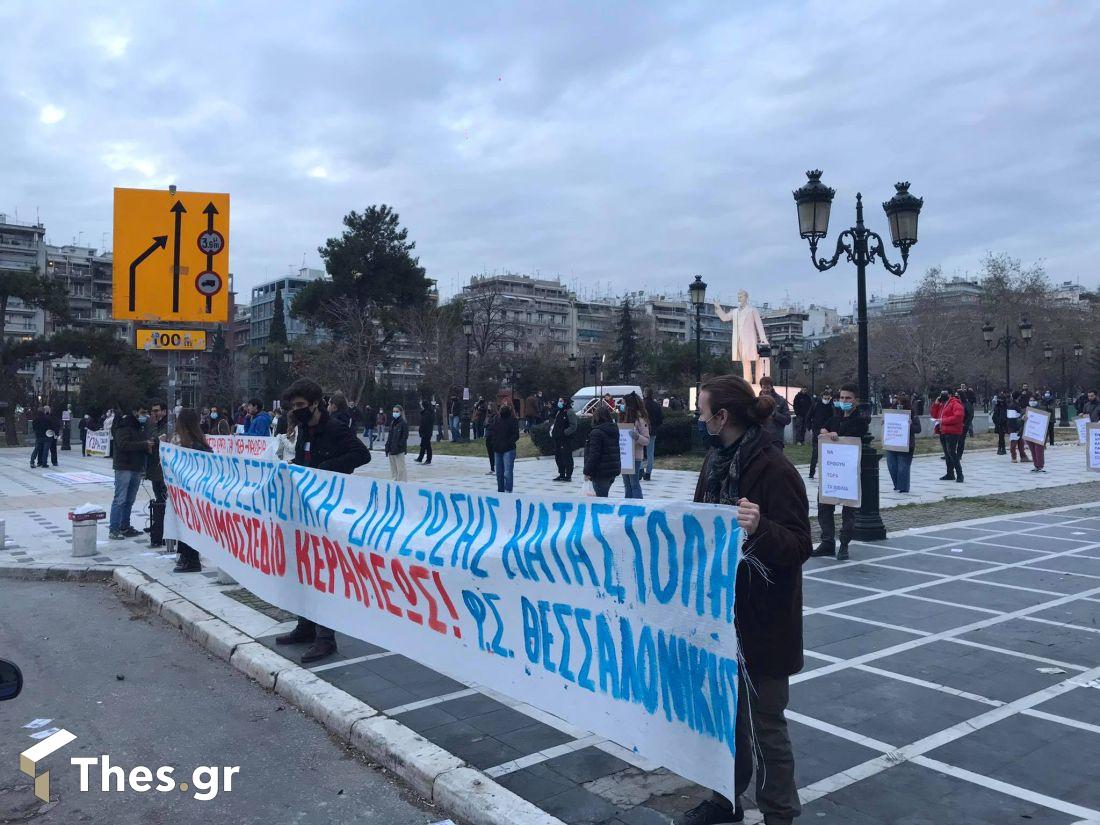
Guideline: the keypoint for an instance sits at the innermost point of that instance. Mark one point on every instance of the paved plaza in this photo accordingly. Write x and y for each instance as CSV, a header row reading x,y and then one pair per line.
x,y
952,672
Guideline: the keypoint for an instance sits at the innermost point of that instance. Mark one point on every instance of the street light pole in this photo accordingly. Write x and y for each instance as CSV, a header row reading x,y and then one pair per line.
x,y
860,246
1008,341
697,291
468,331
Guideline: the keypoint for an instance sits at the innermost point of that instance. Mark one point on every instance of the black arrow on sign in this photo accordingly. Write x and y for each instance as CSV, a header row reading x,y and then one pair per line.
x,y
159,242
179,210
210,211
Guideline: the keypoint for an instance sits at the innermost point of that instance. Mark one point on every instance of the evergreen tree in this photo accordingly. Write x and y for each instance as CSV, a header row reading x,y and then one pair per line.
x,y
627,353
277,333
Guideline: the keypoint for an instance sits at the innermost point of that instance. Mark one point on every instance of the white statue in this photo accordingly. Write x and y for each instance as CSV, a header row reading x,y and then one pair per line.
x,y
748,333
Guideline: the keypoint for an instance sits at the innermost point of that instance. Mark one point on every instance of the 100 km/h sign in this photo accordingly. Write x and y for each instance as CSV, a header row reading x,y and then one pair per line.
x,y
171,256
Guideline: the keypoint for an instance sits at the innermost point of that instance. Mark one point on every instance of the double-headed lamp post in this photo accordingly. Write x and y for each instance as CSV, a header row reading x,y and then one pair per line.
x,y
1008,341
1048,354
861,247
697,289
812,365
468,331
66,425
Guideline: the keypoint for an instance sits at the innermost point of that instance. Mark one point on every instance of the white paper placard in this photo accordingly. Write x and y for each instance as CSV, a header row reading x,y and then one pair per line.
x,y
840,471
1081,422
626,448
97,443
1092,446
1035,426
895,430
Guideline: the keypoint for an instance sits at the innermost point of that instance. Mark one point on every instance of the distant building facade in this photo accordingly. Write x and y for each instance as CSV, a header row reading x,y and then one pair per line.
x,y
262,306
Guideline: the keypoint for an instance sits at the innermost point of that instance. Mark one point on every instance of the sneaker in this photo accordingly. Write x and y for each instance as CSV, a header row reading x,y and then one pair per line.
x,y
130,532
826,548
710,812
115,535
559,478
187,567
320,649
842,553
959,479
947,478
156,544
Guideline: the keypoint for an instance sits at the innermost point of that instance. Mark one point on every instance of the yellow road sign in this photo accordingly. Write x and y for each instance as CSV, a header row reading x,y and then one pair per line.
x,y
171,256
164,339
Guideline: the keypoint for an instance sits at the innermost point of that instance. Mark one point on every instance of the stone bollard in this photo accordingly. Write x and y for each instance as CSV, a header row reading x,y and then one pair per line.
x,y
85,527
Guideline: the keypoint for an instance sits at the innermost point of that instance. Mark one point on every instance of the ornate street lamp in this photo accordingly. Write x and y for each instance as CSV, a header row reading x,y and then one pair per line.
x,y
697,289
1008,341
288,356
263,357
468,331
861,247
1063,356
812,365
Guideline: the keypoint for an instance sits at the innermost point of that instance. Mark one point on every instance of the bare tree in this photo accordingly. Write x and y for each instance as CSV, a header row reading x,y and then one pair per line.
x,y
487,309
436,334
358,346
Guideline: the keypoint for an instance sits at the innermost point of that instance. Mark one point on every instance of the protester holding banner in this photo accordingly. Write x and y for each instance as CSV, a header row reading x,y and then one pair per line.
x,y
397,443
156,430
633,412
1038,451
899,463
189,434
325,444
747,471
131,448
503,436
427,422
1091,407
602,462
849,420
1016,443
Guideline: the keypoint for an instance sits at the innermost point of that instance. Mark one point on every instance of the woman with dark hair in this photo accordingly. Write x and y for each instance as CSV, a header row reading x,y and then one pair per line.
x,y
219,424
490,420
338,408
601,453
747,471
632,411
189,434
897,463
427,422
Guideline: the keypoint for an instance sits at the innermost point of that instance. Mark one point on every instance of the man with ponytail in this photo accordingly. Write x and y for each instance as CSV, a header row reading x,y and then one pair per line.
x,y
747,471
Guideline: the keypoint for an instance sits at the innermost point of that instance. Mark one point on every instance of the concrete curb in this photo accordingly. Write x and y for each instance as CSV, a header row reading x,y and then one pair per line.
x,y
439,775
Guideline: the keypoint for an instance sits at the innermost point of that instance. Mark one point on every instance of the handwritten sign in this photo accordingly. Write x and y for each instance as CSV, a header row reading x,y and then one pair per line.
x,y
616,616
255,446
1082,425
840,471
1035,426
1092,446
97,443
626,448
895,430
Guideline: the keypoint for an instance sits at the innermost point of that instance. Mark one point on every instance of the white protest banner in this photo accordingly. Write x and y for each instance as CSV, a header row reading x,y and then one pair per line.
x,y
614,615
1082,423
1092,446
895,430
97,443
626,449
840,471
1035,426
253,446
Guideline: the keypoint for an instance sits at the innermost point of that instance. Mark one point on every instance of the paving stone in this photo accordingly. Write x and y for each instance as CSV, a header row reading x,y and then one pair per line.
x,y
470,744
846,638
1034,541
1081,703
888,710
909,794
1071,564
474,705
533,738
820,593
940,565
1031,753
500,721
1074,532
1039,580
579,807
423,719
819,754
1079,611
912,542
970,594
587,764
1066,644
536,783
963,533
867,575
974,670
914,613
986,552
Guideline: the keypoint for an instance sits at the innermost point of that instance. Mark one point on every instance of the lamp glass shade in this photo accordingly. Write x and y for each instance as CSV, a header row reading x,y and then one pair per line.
x,y
903,210
697,289
814,200
1025,330
263,358
1048,353
288,356
1078,350
467,326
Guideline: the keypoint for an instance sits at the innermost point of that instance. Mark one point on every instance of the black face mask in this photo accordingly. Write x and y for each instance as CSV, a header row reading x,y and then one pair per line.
x,y
302,416
943,396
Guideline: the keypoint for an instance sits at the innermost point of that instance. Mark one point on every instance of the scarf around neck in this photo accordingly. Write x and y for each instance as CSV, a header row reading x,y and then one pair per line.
x,y
724,476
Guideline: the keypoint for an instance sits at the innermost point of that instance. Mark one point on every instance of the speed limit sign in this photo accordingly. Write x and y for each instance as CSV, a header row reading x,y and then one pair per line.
x,y
211,242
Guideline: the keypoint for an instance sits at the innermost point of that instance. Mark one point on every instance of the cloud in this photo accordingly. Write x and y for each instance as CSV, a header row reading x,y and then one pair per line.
x,y
620,146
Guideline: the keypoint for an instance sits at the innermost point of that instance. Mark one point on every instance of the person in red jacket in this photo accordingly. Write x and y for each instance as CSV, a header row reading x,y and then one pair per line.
x,y
951,416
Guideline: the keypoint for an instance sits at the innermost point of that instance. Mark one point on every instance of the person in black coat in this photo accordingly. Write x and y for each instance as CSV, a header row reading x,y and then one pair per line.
x,y
656,414
504,436
753,481
427,423
850,420
397,443
803,401
1000,419
777,425
819,415
324,443
602,459
41,425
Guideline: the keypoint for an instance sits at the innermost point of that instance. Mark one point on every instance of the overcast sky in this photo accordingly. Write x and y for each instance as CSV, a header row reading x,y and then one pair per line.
x,y
618,145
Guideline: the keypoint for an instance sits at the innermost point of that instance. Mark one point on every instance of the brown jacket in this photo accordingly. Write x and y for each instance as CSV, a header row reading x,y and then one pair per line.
x,y
768,616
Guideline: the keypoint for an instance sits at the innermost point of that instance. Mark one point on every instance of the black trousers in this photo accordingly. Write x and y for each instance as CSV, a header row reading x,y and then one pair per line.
x,y
156,511
827,522
765,745
961,447
492,455
563,455
952,451
425,448
1001,444
813,455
